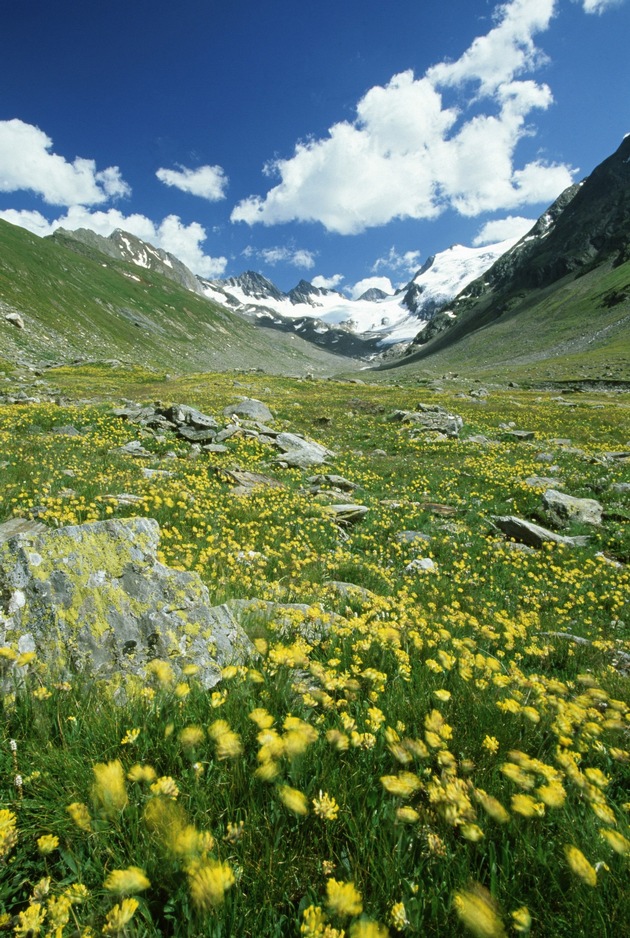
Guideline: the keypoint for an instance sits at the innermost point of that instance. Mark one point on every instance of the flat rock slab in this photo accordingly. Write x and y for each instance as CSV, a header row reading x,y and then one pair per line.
x,y
533,534
94,599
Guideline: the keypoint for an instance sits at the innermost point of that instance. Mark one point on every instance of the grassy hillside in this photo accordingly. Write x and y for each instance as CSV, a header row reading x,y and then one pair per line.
x,y
445,754
93,306
577,328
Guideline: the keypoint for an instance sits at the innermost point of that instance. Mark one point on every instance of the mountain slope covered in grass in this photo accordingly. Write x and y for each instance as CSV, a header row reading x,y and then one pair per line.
x,y
92,306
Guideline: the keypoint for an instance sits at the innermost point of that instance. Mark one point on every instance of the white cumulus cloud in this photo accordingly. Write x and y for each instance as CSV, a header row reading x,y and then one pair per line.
x,y
407,154
327,283
170,234
297,257
368,283
503,229
208,182
407,262
598,6
28,163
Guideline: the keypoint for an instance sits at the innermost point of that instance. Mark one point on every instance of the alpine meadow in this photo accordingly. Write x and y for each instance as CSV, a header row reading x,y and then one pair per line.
x,y
314,545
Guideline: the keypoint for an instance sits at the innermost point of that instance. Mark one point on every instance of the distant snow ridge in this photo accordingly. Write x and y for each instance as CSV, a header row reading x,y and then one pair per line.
x,y
384,318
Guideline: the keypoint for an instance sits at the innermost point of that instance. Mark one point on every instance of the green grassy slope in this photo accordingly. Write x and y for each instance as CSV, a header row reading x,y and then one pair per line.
x,y
93,306
577,328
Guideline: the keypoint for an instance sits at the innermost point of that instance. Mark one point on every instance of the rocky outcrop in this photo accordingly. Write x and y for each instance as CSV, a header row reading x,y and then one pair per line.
x,y
94,599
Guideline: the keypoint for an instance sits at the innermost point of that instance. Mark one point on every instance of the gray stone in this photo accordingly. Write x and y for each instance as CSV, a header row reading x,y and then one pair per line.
x,y
251,408
300,452
533,534
424,564
565,509
346,514
94,599
15,319
620,487
537,482
520,434
136,449
337,482
215,448
15,526
432,419
183,415
411,537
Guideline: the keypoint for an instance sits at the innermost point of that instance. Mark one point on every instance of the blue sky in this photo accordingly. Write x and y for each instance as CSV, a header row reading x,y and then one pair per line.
x,y
336,141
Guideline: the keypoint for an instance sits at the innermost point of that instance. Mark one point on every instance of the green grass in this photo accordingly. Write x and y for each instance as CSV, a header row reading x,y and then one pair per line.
x,y
428,673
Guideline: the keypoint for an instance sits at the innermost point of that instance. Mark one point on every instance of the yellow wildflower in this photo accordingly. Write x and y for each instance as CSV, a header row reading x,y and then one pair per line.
x,y
208,882
80,815
8,833
405,784
30,921
191,736
527,806
367,929
165,785
617,841
109,791
126,882
47,844
552,794
120,916
262,718
130,737
41,889
477,910
141,773
398,916
580,865
343,898
521,920
407,815
58,908
293,799
491,806
491,743
325,807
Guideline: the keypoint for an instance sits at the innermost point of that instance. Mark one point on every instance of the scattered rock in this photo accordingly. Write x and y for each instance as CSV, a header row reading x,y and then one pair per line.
x,y
420,563
620,487
215,448
431,419
536,482
136,449
94,599
246,482
346,514
565,509
533,534
333,481
410,537
15,319
520,434
250,407
299,452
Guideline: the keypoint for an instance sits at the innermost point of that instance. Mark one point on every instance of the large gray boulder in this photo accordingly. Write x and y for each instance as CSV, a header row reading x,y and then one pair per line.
x,y
565,509
94,599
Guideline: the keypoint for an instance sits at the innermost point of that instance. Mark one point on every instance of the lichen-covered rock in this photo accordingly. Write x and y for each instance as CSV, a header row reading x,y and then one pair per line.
x,y
94,599
564,509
